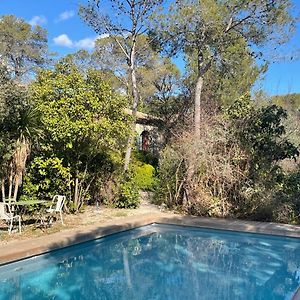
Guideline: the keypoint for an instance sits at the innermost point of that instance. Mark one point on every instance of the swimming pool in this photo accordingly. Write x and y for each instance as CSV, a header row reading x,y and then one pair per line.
x,y
161,262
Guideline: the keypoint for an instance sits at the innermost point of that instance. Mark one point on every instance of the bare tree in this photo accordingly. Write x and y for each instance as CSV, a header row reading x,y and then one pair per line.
x,y
128,20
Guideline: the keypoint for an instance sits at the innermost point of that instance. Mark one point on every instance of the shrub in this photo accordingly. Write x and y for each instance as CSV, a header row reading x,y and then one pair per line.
x,y
146,157
46,177
144,177
120,190
128,194
200,176
285,213
233,169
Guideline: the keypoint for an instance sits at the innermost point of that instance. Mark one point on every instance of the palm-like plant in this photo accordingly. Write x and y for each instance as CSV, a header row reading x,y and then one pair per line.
x,y
19,127
27,128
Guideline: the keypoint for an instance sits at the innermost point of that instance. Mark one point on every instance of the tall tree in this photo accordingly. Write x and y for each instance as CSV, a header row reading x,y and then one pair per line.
x,y
82,121
162,88
226,82
109,57
22,47
208,29
128,21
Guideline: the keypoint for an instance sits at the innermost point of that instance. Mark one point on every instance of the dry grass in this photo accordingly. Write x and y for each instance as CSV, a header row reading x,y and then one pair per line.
x,y
90,216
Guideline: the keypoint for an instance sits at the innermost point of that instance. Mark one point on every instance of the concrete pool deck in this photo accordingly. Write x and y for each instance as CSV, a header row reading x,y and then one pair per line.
x,y
17,250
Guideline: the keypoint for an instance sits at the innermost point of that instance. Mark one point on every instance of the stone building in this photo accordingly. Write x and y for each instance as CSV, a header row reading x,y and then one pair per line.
x,y
148,138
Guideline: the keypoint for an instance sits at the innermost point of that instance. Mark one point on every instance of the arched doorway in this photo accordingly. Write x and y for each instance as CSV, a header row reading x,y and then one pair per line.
x,y
145,145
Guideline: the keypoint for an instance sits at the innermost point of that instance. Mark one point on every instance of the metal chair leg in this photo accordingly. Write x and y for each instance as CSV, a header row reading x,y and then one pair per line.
x,y
61,218
50,220
10,226
20,228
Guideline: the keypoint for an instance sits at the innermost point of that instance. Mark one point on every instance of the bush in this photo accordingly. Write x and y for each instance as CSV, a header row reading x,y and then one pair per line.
x,y
285,213
232,170
201,176
146,157
144,177
46,177
128,194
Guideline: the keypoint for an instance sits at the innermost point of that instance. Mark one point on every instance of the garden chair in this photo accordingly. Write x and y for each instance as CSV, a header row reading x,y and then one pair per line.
x,y
10,202
56,207
7,215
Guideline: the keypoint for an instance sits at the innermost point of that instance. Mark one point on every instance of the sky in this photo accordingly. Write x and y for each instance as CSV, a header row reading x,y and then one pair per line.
x,y
67,33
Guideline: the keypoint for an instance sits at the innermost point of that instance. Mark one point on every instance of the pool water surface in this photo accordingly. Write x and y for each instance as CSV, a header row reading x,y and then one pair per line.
x,y
161,262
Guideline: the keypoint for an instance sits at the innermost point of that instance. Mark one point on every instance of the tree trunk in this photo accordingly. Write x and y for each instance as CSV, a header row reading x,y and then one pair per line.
x,y
135,103
16,186
197,111
76,193
10,180
3,188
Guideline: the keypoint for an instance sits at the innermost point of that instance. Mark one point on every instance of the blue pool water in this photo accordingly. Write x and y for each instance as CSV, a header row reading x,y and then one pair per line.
x,y
161,262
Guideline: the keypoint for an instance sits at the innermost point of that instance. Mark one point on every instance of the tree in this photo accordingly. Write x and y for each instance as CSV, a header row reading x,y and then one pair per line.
x,y
130,23
226,82
19,125
164,93
236,165
110,59
22,47
82,122
82,59
206,30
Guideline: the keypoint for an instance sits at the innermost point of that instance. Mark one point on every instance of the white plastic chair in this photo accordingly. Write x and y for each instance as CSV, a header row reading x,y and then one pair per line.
x,y
10,202
57,207
7,215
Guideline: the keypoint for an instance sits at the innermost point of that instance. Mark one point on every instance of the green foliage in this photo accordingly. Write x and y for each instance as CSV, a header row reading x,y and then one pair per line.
x,y
261,131
213,26
145,157
144,176
128,194
171,172
22,47
76,110
13,101
235,168
262,134
240,108
19,131
83,123
289,102
221,41
226,80
46,177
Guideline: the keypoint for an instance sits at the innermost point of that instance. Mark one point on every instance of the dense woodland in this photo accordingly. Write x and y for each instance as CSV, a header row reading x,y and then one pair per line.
x,y
225,150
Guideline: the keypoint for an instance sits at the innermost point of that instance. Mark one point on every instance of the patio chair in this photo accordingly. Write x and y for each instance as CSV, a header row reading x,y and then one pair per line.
x,y
56,207
10,202
7,215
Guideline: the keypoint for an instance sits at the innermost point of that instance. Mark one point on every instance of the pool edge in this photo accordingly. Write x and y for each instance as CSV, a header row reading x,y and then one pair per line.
x,y
15,251
268,228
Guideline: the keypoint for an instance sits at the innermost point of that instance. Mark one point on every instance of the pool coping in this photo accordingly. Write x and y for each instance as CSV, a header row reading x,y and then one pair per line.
x,y
18,250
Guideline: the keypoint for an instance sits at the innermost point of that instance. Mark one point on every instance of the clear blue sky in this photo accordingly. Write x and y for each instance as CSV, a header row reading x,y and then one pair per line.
x,y
67,33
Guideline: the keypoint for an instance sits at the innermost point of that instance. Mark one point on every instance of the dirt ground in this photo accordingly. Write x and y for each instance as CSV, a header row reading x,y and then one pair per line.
x,y
91,215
